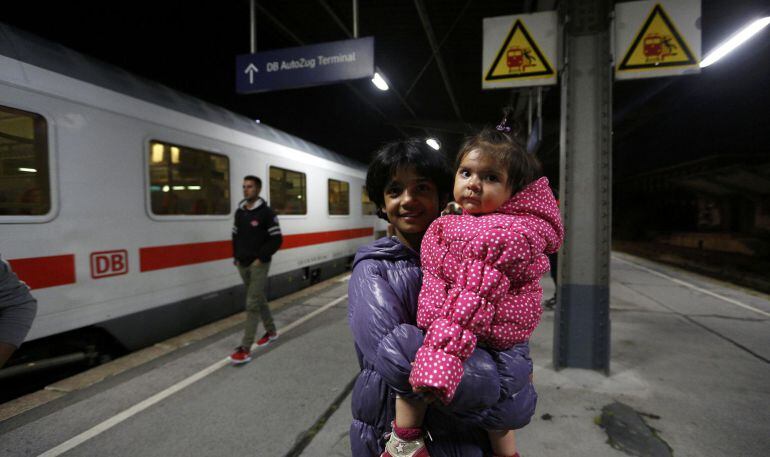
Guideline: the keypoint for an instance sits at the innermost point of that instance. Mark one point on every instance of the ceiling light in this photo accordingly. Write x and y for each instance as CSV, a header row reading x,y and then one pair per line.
x,y
28,170
735,41
379,82
432,142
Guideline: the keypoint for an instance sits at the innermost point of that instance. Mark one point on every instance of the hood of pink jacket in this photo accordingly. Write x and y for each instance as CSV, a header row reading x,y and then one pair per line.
x,y
537,200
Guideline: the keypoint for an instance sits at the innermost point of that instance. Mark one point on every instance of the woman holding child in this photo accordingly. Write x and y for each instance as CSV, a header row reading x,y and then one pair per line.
x,y
410,184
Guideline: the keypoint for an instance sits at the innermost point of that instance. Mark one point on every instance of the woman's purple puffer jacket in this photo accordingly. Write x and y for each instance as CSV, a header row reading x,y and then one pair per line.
x,y
495,391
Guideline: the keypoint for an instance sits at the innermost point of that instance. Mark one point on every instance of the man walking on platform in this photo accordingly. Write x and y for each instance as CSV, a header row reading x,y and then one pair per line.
x,y
256,237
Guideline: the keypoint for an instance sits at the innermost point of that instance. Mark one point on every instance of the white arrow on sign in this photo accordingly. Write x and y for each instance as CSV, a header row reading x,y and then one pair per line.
x,y
251,69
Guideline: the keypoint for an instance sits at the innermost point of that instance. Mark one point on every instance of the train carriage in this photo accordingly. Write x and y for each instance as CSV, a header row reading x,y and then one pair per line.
x,y
117,197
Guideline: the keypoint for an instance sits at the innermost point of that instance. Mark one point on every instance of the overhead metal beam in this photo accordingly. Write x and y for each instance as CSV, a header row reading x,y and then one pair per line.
x,y
339,22
335,18
280,25
522,100
440,45
423,13
358,94
253,26
355,18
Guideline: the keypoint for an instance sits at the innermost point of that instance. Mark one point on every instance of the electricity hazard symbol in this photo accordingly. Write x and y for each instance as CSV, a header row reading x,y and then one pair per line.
x,y
658,44
519,58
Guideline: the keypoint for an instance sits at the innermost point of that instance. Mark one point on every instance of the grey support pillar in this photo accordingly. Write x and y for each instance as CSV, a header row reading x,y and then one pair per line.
x,y
582,322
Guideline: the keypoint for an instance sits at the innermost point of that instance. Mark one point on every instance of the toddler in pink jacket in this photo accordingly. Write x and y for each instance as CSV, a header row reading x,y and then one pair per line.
x,y
481,269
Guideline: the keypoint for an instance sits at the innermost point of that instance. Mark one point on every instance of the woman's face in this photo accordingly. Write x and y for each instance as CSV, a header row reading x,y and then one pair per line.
x,y
411,202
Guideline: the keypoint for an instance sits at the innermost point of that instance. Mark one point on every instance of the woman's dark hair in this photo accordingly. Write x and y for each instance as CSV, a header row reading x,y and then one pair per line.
x,y
503,144
426,161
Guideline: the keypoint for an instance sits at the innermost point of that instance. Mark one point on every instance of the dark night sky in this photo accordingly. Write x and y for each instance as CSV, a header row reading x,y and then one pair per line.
x,y
723,110
191,47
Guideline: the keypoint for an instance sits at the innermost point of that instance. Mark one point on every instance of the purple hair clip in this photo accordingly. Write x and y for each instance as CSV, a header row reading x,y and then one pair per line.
x,y
503,127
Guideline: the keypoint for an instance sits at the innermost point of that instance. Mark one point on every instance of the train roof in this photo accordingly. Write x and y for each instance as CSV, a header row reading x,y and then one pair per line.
x,y
26,47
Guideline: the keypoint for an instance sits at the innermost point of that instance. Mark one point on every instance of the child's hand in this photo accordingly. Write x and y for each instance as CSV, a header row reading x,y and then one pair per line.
x,y
452,208
428,395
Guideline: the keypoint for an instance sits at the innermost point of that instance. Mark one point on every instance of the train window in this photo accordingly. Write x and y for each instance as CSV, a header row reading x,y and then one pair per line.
x,y
368,208
288,191
24,182
187,181
339,197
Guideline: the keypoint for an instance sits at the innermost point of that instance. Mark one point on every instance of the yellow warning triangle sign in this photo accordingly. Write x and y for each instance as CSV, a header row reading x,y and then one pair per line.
x,y
658,44
519,58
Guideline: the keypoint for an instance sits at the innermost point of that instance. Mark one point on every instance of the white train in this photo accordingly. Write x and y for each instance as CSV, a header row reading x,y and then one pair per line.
x,y
117,197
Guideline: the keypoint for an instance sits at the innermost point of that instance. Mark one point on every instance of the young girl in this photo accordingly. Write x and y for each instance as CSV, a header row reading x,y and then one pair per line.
x,y
482,269
410,184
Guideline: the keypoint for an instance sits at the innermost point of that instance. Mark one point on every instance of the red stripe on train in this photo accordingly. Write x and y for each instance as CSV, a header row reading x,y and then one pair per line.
x,y
42,272
177,255
306,239
160,257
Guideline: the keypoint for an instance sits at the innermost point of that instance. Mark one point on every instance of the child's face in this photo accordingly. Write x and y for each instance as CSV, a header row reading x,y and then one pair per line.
x,y
411,201
481,183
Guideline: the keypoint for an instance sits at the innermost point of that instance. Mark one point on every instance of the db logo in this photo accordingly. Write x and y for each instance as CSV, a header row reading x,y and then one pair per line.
x,y
109,263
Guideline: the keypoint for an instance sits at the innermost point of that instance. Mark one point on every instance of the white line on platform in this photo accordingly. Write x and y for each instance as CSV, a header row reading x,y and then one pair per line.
x,y
694,287
141,406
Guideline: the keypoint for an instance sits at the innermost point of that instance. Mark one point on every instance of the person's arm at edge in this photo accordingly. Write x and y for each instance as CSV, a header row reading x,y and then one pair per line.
x,y
17,311
234,234
274,240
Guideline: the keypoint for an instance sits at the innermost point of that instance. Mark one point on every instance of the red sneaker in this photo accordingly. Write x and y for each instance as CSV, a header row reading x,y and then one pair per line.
x,y
241,355
266,338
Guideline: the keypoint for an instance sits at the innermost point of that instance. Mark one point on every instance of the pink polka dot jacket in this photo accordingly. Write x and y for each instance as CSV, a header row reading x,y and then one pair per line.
x,y
481,283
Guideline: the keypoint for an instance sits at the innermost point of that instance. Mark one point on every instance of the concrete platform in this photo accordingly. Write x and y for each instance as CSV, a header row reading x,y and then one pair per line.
x,y
693,364
260,408
690,354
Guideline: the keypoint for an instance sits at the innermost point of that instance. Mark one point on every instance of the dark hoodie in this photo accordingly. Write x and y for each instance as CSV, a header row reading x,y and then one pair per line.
x,y
256,233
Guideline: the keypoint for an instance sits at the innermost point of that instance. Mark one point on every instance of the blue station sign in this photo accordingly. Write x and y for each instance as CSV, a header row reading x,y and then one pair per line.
x,y
304,66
